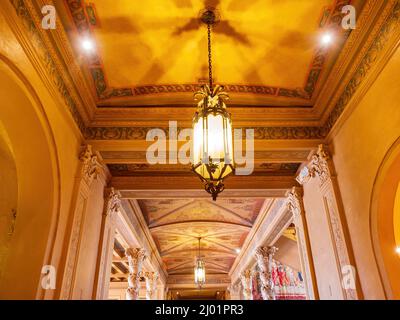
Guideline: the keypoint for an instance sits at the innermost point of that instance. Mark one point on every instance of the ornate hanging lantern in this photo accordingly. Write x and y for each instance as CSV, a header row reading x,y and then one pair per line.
x,y
199,270
212,130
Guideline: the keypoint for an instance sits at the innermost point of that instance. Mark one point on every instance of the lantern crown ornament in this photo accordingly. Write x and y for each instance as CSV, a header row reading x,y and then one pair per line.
x,y
212,129
199,270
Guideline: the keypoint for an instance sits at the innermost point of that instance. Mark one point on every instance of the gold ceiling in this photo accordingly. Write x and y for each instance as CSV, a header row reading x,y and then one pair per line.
x,y
262,48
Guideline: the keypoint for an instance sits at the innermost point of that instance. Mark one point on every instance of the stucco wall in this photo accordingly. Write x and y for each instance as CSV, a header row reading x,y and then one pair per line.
x,y
358,150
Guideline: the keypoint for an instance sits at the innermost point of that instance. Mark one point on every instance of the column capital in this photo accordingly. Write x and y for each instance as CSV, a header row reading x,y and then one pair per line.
x,y
136,257
90,164
112,200
246,278
319,165
151,283
294,201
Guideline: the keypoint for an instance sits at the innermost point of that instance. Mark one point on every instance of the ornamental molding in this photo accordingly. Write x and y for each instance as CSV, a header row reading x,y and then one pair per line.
x,y
90,166
294,202
112,202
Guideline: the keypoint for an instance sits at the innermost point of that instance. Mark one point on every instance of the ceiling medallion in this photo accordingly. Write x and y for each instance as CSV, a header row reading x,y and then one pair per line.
x,y
212,127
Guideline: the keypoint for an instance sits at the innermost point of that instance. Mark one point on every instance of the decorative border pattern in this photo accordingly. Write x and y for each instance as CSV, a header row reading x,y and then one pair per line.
x,y
365,66
84,18
50,65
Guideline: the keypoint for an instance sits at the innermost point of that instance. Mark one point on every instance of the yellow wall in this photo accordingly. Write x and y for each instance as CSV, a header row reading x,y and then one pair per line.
x,y
396,218
358,151
46,144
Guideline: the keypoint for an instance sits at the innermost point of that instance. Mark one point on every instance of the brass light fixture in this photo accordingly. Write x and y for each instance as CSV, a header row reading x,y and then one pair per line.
x,y
199,270
212,128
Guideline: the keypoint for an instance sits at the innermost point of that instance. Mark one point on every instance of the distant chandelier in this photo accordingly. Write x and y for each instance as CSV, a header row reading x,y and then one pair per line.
x,y
199,270
212,129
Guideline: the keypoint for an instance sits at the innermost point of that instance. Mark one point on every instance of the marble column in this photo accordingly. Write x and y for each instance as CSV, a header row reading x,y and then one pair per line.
x,y
246,279
295,206
264,256
136,257
112,204
151,284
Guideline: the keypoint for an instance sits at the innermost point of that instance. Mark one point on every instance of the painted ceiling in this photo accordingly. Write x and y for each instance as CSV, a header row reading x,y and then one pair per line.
x,y
262,48
176,225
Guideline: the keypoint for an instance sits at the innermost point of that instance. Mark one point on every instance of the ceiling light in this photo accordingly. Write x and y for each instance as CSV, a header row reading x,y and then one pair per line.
x,y
327,39
212,129
237,250
398,250
87,45
199,270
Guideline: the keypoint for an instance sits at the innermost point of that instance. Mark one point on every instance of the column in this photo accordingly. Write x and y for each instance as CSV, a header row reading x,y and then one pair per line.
x,y
151,284
296,207
246,279
264,256
112,204
88,171
136,257
324,211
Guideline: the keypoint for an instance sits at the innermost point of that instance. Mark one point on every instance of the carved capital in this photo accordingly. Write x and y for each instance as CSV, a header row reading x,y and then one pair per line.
x,y
151,284
135,257
112,201
294,202
90,165
246,278
319,165
264,257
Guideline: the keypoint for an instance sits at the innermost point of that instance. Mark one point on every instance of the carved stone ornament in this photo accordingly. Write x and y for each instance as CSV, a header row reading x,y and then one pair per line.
x,y
246,278
319,164
90,164
151,284
136,257
112,202
294,202
264,256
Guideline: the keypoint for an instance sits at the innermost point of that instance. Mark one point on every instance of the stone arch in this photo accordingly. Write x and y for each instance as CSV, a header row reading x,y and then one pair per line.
x,y
30,137
384,230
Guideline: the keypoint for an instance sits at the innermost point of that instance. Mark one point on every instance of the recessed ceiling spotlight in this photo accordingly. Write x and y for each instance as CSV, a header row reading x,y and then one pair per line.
x,y
398,250
87,45
237,250
327,38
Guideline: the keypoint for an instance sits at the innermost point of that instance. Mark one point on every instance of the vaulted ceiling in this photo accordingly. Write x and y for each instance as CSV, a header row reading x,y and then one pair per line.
x,y
177,224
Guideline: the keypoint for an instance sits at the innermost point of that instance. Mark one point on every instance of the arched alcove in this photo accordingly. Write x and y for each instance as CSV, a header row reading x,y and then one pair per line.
x,y
385,221
29,136
8,197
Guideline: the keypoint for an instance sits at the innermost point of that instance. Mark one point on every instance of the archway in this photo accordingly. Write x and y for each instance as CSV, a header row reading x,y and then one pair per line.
x,y
29,136
385,221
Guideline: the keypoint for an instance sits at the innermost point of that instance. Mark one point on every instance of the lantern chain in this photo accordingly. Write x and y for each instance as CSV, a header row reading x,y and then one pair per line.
x,y
210,57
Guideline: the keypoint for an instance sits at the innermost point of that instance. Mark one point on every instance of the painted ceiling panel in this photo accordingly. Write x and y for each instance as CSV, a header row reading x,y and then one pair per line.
x,y
177,224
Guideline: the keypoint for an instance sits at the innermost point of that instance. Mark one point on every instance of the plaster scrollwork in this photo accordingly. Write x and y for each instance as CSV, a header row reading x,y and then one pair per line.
x,y
136,257
246,278
319,165
264,256
90,165
151,284
294,202
112,202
